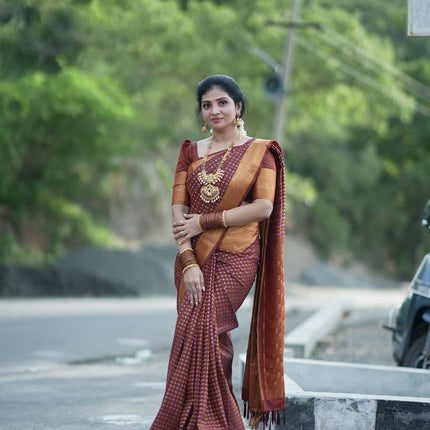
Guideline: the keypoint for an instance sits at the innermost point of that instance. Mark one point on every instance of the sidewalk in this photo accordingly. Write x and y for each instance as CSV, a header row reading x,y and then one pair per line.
x,y
298,296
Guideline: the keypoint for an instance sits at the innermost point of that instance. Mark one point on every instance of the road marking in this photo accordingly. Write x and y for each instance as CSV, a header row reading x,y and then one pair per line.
x,y
121,419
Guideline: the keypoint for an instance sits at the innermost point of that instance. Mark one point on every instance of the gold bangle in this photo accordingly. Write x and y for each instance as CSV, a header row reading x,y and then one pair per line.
x,y
189,267
186,249
198,223
223,219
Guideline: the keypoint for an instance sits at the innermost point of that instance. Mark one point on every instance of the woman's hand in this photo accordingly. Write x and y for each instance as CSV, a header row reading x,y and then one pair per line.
x,y
186,228
194,283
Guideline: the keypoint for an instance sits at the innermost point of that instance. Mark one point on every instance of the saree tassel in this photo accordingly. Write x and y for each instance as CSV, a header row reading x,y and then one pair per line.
x,y
245,410
255,419
265,419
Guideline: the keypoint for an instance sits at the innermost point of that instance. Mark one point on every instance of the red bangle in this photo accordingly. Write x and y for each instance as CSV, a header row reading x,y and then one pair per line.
x,y
212,220
187,257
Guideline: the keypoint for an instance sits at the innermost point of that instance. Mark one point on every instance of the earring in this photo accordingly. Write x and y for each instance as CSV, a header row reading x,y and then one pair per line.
x,y
240,125
205,128
239,122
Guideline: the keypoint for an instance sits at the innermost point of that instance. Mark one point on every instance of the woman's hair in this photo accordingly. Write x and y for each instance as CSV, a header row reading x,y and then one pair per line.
x,y
228,84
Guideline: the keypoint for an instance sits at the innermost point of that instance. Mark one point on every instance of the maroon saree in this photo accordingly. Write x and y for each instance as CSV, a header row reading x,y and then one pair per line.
x,y
198,392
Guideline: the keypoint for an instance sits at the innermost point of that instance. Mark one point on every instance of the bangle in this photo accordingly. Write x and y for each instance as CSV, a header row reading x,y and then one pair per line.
x,y
211,221
187,257
189,267
198,223
186,249
223,219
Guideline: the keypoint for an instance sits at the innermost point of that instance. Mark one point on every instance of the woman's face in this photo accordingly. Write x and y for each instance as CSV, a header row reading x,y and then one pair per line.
x,y
218,109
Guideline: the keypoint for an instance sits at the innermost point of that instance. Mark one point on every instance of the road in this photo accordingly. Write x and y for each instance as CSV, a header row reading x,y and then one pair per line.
x,y
90,363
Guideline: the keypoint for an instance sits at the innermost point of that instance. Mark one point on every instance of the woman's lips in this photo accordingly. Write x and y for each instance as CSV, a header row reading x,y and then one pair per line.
x,y
216,119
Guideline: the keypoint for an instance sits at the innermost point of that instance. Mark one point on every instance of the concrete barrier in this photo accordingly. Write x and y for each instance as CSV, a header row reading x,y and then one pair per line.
x,y
301,342
323,395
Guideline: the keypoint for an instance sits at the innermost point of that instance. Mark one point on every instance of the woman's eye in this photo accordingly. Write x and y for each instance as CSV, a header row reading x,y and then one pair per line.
x,y
222,102
206,105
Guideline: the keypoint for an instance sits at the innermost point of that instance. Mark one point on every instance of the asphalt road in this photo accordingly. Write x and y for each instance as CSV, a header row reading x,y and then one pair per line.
x,y
90,363
77,364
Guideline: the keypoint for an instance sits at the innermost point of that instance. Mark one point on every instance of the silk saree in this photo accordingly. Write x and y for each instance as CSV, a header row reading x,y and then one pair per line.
x,y
199,393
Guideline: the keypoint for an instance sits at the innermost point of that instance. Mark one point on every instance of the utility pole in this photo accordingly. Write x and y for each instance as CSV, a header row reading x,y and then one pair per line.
x,y
281,108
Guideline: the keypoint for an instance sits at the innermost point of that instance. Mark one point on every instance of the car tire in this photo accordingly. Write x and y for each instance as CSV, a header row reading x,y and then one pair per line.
x,y
414,356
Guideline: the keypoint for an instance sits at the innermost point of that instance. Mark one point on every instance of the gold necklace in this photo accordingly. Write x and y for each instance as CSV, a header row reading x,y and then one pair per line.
x,y
209,192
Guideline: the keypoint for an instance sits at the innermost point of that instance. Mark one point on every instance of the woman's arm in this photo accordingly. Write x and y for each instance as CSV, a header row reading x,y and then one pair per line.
x,y
178,212
258,210
187,227
193,277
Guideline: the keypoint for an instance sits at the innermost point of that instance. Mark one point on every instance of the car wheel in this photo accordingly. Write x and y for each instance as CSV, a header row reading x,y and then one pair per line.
x,y
414,357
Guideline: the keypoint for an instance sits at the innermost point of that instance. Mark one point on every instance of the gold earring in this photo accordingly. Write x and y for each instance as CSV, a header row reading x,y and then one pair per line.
x,y
238,120
205,128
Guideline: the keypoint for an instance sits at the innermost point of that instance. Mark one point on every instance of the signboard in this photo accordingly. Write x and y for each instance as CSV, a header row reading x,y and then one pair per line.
x,y
419,18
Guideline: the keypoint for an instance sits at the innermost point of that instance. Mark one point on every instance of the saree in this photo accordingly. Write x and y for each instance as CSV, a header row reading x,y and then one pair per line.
x,y
199,394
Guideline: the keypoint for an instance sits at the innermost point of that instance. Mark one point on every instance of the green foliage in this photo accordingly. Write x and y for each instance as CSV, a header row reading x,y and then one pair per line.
x,y
88,85
365,144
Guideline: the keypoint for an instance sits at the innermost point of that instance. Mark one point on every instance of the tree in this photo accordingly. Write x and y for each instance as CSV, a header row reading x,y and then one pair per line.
x,y
120,76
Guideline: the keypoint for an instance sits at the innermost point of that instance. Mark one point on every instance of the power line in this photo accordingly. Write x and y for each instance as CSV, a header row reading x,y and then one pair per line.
x,y
351,49
356,74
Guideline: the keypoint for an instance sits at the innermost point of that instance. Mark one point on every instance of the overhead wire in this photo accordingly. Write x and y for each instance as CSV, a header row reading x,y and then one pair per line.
x,y
365,79
351,49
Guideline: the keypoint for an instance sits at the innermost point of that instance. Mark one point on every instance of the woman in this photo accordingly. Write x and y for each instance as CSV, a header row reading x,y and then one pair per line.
x,y
228,224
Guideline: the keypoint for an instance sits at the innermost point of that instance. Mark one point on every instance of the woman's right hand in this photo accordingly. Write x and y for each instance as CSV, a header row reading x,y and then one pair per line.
x,y
194,283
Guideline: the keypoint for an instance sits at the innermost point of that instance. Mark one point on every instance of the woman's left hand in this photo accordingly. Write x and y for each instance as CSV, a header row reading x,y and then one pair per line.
x,y
187,228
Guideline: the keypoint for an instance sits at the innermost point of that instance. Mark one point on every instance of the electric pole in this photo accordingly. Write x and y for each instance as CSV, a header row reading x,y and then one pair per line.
x,y
281,108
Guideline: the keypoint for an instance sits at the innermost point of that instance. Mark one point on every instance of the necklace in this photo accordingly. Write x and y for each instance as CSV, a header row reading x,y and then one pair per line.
x,y
209,192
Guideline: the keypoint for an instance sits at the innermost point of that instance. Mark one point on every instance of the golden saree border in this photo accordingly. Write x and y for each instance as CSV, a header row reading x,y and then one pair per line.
x,y
263,385
239,238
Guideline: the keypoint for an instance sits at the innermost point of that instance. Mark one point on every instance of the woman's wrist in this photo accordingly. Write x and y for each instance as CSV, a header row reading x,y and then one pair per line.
x,y
187,259
212,220
189,266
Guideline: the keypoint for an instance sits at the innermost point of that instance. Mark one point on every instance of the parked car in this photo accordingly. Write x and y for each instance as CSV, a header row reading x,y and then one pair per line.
x,y
410,323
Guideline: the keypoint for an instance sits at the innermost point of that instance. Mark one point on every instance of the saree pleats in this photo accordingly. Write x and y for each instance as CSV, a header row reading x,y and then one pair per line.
x,y
198,389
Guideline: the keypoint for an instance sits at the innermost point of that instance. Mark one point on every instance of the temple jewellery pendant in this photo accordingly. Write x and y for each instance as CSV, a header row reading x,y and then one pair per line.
x,y
209,192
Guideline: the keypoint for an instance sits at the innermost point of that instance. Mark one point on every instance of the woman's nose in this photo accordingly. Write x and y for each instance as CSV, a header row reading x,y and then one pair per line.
x,y
215,108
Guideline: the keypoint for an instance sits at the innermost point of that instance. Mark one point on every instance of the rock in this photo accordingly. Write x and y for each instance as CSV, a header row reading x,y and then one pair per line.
x,y
147,272
92,271
18,281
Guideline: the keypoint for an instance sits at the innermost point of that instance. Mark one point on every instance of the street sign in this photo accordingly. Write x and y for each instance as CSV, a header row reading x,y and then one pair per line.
x,y
419,18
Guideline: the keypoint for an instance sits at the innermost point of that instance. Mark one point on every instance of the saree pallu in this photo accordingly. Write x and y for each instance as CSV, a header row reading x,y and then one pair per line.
x,y
198,392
